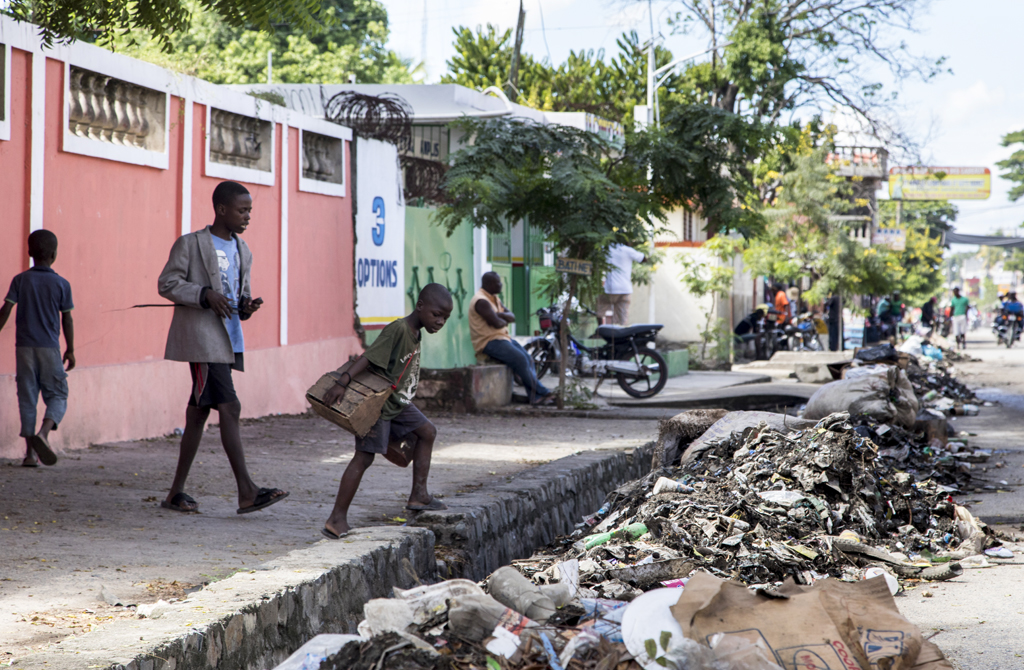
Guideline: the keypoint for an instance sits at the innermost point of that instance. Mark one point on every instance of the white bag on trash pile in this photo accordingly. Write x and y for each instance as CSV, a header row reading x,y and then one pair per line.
x,y
912,345
887,397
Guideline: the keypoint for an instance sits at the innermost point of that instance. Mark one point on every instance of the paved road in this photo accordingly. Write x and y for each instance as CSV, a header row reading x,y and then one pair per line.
x,y
977,619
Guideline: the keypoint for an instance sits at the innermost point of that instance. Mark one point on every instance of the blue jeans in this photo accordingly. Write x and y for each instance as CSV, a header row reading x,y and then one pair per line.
x,y
512,354
40,369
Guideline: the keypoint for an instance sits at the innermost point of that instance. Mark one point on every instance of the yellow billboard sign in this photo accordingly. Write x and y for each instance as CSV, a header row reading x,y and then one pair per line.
x,y
939,183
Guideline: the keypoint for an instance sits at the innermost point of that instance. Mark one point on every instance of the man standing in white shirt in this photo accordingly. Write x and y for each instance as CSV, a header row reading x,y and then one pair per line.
x,y
613,305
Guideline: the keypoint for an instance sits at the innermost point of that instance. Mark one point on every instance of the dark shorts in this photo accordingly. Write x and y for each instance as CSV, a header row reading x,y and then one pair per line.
x,y
212,384
384,431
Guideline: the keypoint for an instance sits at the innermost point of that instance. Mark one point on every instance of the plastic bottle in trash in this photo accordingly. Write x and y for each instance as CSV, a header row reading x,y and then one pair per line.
x,y
630,532
666,485
931,395
509,587
971,410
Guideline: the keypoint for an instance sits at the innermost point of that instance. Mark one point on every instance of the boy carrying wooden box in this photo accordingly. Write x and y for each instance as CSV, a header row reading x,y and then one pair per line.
x,y
395,354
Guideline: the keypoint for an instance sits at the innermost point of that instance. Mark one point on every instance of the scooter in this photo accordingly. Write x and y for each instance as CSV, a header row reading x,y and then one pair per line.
x,y
628,354
1007,328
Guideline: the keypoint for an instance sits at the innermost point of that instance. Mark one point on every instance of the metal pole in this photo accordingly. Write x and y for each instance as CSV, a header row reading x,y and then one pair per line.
x,y
513,78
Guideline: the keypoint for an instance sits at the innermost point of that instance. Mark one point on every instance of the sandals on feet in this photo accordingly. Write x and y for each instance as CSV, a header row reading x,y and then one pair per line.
x,y
264,498
42,448
176,503
331,535
433,505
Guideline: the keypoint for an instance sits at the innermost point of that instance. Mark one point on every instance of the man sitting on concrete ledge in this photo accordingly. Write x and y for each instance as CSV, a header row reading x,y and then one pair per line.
x,y
488,328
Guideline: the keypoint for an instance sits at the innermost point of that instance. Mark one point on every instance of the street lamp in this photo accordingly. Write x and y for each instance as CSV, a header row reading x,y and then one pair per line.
x,y
654,81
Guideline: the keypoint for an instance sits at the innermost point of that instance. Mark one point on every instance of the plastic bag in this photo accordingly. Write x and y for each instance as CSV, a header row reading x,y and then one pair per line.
x,y
883,353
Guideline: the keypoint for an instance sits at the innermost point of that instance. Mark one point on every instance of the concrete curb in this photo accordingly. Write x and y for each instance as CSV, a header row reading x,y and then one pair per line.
x,y
254,620
486,529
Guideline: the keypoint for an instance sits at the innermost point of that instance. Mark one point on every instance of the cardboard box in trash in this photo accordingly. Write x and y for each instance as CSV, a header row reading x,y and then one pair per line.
x,y
831,625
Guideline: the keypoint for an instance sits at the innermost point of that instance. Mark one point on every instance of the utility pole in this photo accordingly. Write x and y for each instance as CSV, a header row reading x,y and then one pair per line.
x,y
423,39
513,76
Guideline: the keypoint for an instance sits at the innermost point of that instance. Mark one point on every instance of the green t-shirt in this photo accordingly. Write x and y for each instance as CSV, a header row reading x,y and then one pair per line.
x,y
396,355
959,305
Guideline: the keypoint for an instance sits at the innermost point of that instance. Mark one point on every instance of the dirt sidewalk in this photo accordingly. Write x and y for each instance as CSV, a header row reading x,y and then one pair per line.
x,y
94,520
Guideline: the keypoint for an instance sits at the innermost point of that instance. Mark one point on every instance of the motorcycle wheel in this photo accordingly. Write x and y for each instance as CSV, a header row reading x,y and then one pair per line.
x,y
1012,335
652,378
544,356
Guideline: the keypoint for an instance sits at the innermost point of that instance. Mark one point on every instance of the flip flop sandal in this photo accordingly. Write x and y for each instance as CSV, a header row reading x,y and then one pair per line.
x,y
331,535
264,498
433,505
42,448
177,500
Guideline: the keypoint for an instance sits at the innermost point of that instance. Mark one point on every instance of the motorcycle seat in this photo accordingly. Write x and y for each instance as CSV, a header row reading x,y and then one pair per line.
x,y
621,332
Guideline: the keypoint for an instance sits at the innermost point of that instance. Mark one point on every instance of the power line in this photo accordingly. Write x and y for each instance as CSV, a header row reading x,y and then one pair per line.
x,y
544,33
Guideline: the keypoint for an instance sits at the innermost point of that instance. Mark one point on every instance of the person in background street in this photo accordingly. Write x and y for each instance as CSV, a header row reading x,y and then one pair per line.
x,y
613,305
748,330
395,354
928,313
206,333
890,313
959,305
834,317
794,301
44,305
781,304
488,330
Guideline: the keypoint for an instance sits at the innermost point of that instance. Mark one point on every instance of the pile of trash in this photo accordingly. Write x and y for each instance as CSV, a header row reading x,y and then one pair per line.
x,y
931,370
764,505
509,622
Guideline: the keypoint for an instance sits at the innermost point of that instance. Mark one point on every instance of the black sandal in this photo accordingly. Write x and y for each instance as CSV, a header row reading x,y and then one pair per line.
x,y
177,499
264,498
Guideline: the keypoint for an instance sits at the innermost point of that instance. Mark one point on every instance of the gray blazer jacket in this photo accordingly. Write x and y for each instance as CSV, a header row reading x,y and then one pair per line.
x,y
197,335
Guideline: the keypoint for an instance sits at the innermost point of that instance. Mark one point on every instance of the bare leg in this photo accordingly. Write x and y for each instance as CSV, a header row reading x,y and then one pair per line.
x,y
195,420
421,463
337,523
44,430
231,438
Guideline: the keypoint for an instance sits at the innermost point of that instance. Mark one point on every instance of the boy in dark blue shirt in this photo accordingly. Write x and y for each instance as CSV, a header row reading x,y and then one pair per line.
x,y
44,306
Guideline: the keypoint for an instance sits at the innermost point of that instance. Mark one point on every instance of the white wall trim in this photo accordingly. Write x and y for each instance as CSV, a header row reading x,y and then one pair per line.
x,y
5,123
235,172
188,112
113,152
321,127
284,234
37,147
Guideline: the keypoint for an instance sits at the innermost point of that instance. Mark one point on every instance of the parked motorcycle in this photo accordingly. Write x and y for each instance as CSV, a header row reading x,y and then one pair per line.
x,y
802,334
628,354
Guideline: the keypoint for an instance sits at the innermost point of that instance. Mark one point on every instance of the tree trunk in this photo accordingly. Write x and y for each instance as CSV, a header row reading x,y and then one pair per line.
x,y
563,342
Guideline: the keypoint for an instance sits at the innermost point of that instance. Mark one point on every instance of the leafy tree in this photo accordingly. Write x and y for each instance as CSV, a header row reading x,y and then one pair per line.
x,y
65,20
805,237
1014,165
351,43
585,82
583,196
932,216
484,58
810,54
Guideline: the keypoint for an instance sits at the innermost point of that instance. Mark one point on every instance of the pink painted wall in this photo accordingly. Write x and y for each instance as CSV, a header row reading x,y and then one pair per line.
x,y
321,241
14,190
116,223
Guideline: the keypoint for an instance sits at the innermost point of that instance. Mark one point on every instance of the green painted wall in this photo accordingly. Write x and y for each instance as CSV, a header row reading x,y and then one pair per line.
x,y
432,256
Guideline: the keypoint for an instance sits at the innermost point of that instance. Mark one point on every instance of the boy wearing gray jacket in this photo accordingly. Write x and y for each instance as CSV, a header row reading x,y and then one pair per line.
x,y
207,279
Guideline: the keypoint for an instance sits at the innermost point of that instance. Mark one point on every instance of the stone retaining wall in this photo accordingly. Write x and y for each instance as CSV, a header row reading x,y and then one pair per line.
x,y
486,529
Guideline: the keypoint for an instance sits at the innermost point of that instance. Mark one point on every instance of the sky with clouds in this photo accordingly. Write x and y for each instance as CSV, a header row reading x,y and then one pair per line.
x,y
962,115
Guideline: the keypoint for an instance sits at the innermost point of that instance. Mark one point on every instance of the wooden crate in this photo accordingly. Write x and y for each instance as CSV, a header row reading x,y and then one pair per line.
x,y
361,405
